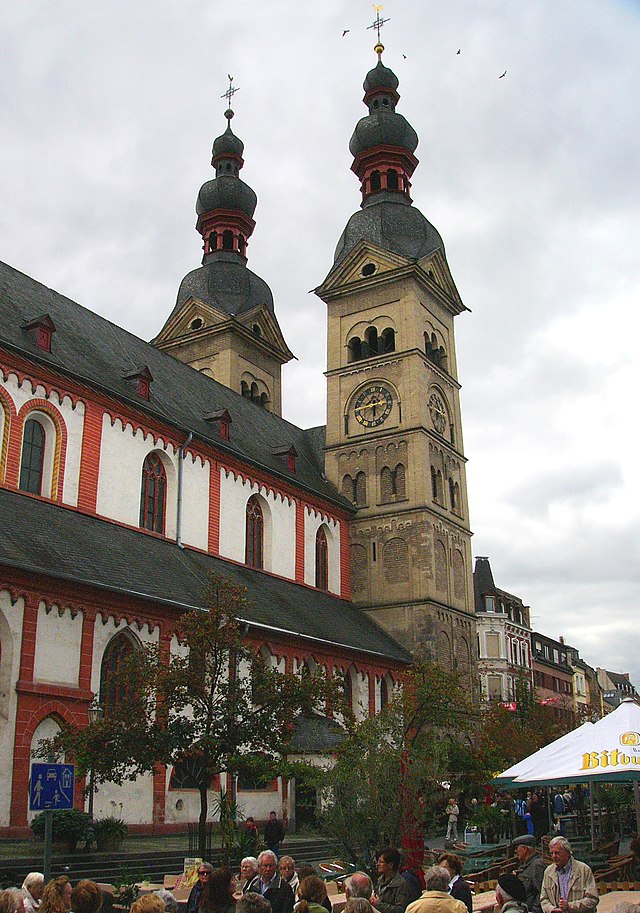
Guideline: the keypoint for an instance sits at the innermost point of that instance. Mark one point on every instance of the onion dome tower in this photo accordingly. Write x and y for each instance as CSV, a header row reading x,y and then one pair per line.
x,y
383,146
393,441
224,321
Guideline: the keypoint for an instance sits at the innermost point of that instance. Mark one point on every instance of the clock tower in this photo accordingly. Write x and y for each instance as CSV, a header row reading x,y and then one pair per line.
x,y
394,428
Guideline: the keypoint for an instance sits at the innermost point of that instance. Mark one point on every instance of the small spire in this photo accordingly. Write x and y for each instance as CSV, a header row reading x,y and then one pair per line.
x,y
377,24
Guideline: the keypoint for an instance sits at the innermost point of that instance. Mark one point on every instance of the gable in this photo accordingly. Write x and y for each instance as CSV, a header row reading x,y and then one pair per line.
x,y
365,263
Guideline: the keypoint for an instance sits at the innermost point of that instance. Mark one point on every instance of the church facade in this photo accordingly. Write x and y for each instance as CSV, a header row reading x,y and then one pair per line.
x,y
131,470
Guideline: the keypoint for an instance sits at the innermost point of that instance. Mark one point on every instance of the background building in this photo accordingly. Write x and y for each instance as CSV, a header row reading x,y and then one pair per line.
x,y
504,637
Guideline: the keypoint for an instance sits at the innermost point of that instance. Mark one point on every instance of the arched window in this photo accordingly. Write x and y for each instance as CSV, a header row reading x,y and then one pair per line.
x,y
242,244
255,395
322,560
384,693
387,341
436,483
153,494
375,182
354,348
398,481
386,485
32,459
392,179
264,400
245,390
453,501
347,690
371,336
254,547
348,488
227,240
213,241
360,490
113,685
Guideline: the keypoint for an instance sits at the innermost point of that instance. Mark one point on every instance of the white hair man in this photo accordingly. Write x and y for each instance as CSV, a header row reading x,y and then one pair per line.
x,y
568,886
272,886
436,899
359,885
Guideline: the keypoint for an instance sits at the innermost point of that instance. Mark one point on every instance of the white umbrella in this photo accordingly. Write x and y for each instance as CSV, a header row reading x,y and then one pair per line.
x,y
543,757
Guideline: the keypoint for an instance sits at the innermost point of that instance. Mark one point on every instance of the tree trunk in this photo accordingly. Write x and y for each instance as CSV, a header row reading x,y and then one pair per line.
x,y
202,822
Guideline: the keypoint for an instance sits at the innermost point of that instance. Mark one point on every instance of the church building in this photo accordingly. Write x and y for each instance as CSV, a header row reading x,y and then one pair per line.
x,y
130,470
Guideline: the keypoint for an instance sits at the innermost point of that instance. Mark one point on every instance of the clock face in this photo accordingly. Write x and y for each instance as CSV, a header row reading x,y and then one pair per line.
x,y
438,413
373,406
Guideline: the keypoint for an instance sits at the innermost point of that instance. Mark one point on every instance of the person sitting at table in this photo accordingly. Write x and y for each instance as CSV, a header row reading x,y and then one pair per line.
x,y
511,895
86,897
253,903
272,885
204,873
358,905
436,899
148,903
287,868
359,886
458,887
217,896
171,905
311,891
304,871
248,871
32,888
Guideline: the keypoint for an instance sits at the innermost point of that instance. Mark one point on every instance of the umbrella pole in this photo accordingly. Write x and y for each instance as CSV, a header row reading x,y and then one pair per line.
x,y
636,796
593,822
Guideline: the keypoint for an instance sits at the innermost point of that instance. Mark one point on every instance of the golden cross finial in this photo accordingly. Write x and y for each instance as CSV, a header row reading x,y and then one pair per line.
x,y
377,22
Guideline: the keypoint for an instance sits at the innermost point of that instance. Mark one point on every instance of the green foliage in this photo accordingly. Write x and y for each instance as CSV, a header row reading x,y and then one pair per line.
x,y
109,832
389,765
69,825
216,695
126,885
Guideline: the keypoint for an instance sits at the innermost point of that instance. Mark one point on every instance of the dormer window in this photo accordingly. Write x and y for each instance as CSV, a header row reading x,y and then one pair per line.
x,y
141,380
290,454
41,331
223,420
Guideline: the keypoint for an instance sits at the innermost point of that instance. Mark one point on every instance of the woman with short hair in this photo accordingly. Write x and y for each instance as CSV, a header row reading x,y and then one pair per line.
x,y
32,888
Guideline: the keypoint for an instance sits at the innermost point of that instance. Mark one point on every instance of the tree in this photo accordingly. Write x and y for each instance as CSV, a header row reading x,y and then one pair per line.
x,y
390,765
213,705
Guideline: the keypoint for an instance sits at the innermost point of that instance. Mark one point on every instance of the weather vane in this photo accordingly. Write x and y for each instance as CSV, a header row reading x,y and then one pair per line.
x,y
231,91
377,25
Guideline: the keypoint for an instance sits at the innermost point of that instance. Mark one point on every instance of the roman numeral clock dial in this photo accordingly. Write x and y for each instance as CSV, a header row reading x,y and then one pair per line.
x,y
373,406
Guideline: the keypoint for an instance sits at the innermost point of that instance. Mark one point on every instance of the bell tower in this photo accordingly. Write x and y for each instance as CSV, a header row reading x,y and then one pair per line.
x,y
394,428
224,322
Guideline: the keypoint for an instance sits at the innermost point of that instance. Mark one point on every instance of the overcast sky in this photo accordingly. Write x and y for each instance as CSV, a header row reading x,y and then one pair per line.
x,y
107,116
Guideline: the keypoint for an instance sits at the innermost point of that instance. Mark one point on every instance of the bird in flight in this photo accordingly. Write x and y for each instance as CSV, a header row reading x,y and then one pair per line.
x,y
502,75
345,32
458,51
405,56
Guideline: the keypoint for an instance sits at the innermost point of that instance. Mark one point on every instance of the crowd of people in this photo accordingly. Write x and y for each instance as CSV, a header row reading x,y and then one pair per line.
x,y
268,884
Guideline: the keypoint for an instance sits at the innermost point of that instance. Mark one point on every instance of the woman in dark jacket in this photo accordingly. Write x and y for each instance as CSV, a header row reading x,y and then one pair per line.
x,y
458,887
217,896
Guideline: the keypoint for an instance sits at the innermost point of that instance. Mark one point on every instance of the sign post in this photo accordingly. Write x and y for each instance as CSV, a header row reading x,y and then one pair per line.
x,y
50,789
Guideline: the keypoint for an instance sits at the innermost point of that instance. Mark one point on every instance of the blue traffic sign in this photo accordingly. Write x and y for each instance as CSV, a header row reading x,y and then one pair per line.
x,y
51,787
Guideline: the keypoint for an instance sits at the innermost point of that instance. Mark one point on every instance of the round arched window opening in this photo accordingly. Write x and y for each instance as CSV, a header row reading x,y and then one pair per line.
x,y
196,323
368,269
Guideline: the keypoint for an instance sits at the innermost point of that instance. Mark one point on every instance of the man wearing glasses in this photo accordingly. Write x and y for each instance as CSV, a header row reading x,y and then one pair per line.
x,y
204,871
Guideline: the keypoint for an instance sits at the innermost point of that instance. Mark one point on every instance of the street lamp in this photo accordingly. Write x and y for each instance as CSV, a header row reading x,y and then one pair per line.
x,y
94,712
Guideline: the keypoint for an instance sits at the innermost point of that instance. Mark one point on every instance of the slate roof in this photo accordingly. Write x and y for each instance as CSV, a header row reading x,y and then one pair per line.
x,y
98,353
43,538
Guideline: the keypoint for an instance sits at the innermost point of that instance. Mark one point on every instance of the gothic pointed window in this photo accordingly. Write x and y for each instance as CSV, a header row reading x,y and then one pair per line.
x,y
153,494
384,693
113,687
254,547
322,560
32,460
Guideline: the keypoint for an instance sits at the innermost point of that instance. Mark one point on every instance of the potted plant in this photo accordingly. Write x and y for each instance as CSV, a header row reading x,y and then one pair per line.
x,y
69,826
109,833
